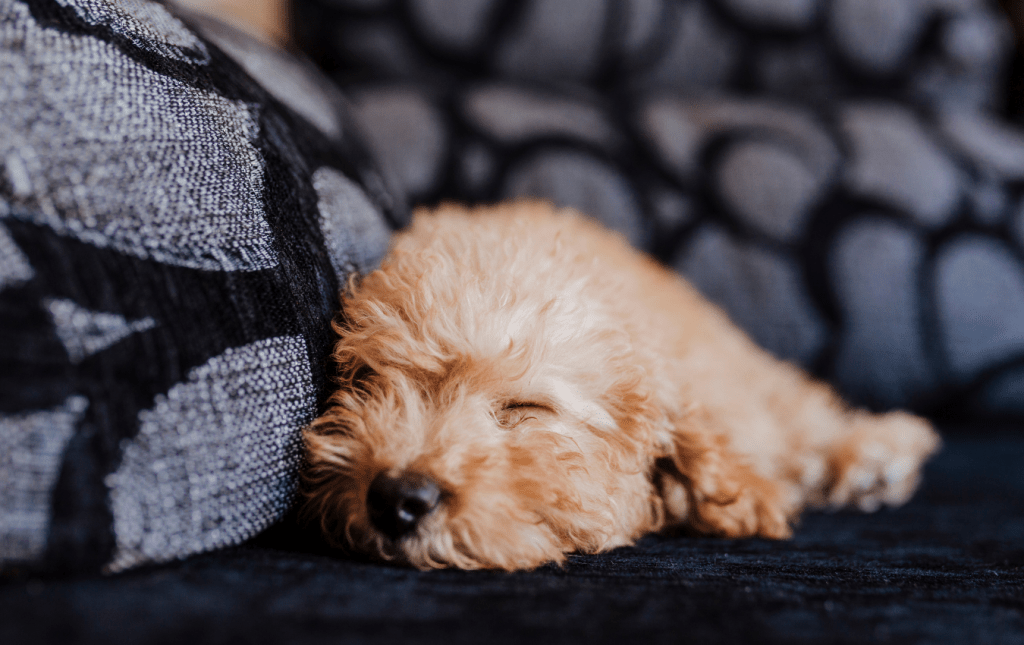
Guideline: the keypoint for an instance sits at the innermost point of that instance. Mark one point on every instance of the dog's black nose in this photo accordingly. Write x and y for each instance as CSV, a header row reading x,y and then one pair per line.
x,y
396,504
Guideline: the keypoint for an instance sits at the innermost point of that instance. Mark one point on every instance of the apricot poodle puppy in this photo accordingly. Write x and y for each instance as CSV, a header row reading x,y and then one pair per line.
x,y
517,383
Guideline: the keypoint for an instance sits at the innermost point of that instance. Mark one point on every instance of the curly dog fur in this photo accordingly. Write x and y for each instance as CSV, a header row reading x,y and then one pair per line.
x,y
560,392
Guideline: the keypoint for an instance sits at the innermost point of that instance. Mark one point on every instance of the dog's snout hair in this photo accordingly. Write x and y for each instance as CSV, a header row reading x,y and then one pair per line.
x,y
517,383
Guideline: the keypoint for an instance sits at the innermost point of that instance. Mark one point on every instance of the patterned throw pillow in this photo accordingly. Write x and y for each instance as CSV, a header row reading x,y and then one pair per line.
x,y
949,52
880,245
179,206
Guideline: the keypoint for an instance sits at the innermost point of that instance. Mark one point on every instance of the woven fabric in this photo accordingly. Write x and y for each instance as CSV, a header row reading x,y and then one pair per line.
x,y
179,206
947,568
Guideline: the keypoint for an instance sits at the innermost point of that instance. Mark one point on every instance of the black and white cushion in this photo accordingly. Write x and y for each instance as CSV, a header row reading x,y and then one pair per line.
x,y
179,206
879,245
948,52
833,173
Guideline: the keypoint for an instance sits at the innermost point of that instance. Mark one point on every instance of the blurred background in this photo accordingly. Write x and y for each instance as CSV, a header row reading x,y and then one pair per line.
x,y
844,177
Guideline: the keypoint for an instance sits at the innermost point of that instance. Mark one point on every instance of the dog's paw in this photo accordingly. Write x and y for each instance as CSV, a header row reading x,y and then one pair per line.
x,y
879,463
757,508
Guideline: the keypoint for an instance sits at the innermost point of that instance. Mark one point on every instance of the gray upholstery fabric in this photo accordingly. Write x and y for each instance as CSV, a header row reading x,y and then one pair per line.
x,y
177,214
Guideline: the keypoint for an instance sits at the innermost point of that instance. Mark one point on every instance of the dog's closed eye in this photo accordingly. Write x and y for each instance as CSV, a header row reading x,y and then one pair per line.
x,y
514,413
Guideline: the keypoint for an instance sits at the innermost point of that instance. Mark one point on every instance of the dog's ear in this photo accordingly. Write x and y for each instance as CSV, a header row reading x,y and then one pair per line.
x,y
706,486
352,371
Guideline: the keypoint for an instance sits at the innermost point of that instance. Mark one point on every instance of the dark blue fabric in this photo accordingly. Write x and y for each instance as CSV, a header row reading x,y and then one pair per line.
x,y
946,568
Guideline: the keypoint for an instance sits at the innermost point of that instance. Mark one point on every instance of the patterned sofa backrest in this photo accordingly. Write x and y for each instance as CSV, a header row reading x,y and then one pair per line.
x,y
832,172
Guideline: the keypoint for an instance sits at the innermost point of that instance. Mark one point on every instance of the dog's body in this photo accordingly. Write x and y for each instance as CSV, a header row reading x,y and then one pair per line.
x,y
518,384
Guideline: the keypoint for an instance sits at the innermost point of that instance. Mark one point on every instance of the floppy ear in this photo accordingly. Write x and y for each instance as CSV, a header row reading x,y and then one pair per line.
x,y
704,485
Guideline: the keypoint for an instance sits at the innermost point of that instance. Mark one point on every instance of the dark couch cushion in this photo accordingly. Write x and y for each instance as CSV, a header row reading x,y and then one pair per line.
x,y
947,568
179,207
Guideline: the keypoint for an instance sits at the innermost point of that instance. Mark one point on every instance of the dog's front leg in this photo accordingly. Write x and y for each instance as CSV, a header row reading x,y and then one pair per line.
x,y
706,486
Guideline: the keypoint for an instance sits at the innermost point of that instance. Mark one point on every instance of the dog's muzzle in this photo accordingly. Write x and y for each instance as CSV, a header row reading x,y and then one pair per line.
x,y
397,504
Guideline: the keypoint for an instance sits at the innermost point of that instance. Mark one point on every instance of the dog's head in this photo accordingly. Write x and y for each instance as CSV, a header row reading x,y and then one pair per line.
x,y
480,422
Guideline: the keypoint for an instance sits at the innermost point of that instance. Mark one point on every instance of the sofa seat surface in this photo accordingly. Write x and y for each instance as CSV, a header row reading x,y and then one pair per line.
x,y
946,568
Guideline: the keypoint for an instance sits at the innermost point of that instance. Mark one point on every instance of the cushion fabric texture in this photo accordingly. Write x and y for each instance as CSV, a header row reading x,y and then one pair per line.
x,y
946,568
848,219
179,206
